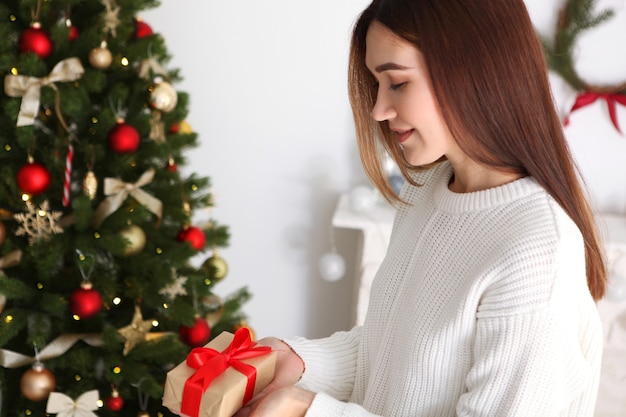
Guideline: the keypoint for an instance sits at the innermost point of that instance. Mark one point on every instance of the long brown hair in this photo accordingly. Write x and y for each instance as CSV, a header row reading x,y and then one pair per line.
x,y
489,76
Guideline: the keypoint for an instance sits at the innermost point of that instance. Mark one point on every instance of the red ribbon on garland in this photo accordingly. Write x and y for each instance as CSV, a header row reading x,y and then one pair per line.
x,y
611,99
209,364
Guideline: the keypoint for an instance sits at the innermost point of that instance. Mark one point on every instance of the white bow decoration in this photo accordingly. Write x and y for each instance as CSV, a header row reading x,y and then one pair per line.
x,y
29,88
117,192
64,406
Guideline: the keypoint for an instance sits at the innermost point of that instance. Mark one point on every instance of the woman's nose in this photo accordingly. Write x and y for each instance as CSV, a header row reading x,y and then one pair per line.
x,y
383,109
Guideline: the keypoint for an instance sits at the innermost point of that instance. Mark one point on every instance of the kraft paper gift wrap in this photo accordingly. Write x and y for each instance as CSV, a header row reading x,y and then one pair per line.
x,y
217,379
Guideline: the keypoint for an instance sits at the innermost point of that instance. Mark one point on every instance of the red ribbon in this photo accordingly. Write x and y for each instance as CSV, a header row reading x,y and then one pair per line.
x,y
611,99
209,364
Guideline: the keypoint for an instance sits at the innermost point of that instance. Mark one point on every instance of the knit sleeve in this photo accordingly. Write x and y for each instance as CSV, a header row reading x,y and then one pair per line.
x,y
538,340
330,363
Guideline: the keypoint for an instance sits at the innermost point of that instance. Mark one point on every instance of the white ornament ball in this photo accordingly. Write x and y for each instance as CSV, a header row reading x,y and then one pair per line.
x,y
362,199
332,267
616,290
164,97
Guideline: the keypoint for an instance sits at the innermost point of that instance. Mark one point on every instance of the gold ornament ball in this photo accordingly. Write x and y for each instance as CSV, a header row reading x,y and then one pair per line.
x,y
216,267
37,383
100,57
185,127
143,414
243,324
163,97
136,239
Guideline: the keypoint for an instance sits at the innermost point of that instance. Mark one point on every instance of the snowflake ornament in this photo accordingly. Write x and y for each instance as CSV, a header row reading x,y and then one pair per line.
x,y
176,288
38,223
111,17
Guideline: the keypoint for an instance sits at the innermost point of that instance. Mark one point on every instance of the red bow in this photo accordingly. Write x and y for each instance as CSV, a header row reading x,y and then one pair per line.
x,y
611,99
209,364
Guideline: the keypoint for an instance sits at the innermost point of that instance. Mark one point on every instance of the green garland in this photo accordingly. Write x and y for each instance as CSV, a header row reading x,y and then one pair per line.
x,y
575,17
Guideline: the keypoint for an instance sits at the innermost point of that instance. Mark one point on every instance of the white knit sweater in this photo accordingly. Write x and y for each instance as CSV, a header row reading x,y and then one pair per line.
x,y
480,308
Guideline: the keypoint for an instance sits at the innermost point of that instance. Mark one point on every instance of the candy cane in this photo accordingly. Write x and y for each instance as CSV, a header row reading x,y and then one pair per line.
x,y
68,175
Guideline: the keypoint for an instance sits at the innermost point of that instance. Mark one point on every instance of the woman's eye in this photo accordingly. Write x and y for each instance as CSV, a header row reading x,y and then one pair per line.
x,y
395,87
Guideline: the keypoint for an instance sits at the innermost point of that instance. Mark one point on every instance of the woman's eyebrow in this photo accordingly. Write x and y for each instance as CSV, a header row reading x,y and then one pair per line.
x,y
390,66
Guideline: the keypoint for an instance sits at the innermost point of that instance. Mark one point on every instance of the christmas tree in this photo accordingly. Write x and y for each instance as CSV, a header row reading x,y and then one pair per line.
x,y
108,253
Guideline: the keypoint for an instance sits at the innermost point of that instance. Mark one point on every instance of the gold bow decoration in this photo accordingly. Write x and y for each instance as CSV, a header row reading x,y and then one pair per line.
x,y
117,192
10,259
64,406
150,64
29,88
56,348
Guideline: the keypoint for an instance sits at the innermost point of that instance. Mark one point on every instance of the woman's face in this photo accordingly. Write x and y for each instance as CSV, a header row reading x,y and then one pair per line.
x,y
405,98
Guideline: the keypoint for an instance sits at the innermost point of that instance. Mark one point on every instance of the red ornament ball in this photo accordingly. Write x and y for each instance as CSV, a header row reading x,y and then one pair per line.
x,y
85,302
33,178
34,39
195,336
142,29
123,138
73,33
194,235
115,402
171,167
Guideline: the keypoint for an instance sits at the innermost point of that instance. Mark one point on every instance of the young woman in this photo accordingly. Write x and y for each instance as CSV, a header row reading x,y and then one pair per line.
x,y
484,304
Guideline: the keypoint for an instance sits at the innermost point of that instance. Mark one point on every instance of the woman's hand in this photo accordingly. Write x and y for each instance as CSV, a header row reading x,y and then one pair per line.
x,y
287,401
280,392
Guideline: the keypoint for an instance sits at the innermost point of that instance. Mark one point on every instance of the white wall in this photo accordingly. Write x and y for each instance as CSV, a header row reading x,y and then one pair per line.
x,y
268,99
267,82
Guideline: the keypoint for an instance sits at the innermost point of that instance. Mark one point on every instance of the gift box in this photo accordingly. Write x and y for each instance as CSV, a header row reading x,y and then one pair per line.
x,y
219,378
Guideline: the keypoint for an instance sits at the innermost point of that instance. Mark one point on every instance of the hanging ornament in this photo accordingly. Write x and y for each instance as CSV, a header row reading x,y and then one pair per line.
x,y
38,223
216,267
142,29
171,165
64,406
196,336
123,138
85,302
243,325
35,40
100,57
111,17
362,199
90,185
163,96
37,382
136,239
33,178
3,233
115,402
176,288
67,179
72,33
194,235
157,127
136,331
332,267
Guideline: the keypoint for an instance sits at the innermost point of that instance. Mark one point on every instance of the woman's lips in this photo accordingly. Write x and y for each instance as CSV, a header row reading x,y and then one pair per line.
x,y
403,135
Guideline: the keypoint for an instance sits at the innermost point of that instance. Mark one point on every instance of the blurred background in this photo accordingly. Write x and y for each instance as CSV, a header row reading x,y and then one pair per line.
x,y
267,82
